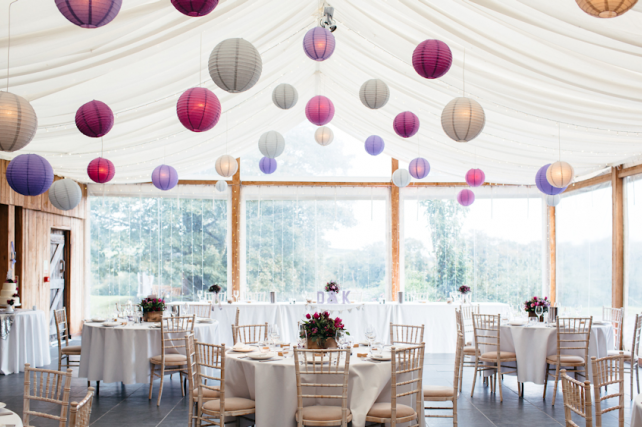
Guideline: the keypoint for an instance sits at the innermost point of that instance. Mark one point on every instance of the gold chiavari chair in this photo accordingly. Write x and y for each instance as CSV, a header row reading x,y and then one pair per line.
x,y
406,334
172,331
193,376
466,350
199,310
614,316
573,333
80,413
467,311
48,386
577,398
445,393
330,373
608,371
62,334
633,354
249,334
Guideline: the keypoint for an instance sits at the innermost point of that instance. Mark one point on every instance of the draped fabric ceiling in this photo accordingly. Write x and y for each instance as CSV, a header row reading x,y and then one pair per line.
x,y
530,64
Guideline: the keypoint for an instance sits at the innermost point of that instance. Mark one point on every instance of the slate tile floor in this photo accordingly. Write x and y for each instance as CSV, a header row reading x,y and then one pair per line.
x,y
127,405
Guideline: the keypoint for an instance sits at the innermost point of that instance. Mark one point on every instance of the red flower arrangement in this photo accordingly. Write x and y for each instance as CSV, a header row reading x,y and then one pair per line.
x,y
320,326
535,302
152,304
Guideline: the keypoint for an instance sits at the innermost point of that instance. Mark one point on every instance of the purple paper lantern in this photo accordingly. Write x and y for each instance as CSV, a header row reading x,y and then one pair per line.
x,y
406,124
94,119
164,177
198,109
319,110
475,177
101,170
432,59
318,44
466,197
374,145
543,185
419,168
267,165
89,14
195,7
29,174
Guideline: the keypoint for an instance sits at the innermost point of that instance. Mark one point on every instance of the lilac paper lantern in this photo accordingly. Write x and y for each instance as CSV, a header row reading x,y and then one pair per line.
x,y
94,119
29,174
198,109
406,124
419,168
318,44
475,177
466,197
543,185
267,165
164,177
432,59
195,7
374,145
319,110
89,14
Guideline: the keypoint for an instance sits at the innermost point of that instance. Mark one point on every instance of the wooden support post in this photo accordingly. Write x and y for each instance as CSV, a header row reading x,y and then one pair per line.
x,y
236,229
617,265
553,254
394,220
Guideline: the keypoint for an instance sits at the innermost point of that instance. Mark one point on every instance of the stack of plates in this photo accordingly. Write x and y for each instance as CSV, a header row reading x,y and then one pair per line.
x,y
111,324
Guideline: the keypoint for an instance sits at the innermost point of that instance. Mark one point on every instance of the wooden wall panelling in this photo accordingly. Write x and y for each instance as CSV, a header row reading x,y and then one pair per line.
x,y
617,285
394,220
7,195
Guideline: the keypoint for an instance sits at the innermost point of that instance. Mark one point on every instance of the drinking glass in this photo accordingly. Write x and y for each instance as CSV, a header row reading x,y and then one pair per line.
x,y
264,346
285,351
341,338
532,321
371,335
376,349
273,331
302,339
539,310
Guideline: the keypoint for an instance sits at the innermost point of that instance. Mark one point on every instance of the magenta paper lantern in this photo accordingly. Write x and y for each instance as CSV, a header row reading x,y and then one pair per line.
x,y
94,119
101,170
374,145
29,174
267,165
198,109
543,185
406,124
195,7
432,59
319,110
466,197
318,44
475,177
164,177
89,13
419,168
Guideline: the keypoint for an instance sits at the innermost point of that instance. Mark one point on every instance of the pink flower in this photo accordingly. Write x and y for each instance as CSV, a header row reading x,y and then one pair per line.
x,y
532,305
545,297
534,298
308,316
316,315
326,314
314,330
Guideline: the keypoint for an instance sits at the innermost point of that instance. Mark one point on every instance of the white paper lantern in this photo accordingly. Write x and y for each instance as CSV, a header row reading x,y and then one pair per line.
x,y
324,136
463,119
553,200
235,65
285,96
226,166
18,122
65,194
221,186
401,178
271,144
560,174
374,94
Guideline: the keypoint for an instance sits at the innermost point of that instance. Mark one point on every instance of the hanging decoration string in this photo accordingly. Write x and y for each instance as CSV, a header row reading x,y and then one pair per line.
x,y
463,75
9,41
200,63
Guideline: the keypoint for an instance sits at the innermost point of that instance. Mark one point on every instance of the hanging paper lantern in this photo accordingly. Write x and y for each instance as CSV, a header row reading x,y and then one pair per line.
x,y
101,170
401,178
164,177
553,200
267,165
18,122
271,144
226,165
29,174
285,96
463,119
318,44
89,14
606,8
198,109
195,7
543,185
221,185
324,136
374,145
419,168
65,194
406,124
432,59
374,94
319,110
235,65
466,197
475,177
94,119
560,174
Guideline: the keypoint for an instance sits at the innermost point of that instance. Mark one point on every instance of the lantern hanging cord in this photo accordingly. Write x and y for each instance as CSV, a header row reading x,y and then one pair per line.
x,y
559,141
200,63
102,147
463,74
9,40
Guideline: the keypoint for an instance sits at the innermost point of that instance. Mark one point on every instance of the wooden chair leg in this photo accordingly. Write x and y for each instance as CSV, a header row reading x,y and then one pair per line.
x,y
557,376
546,381
637,376
499,379
472,391
151,381
461,372
455,411
162,378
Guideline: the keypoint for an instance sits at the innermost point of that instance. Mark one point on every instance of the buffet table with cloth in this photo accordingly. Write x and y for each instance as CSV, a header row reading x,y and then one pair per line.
x,y
122,353
636,411
23,339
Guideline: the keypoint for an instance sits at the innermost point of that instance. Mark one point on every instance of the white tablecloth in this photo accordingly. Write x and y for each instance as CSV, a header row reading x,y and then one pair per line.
x,y
636,412
10,419
121,354
27,342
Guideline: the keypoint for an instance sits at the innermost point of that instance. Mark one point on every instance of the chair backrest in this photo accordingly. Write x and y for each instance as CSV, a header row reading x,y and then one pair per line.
x,y
577,398
45,385
405,362
574,333
608,371
249,334
80,413
200,310
172,329
62,330
486,331
238,315
323,364
615,316
190,353
459,354
467,311
210,358
406,334
635,343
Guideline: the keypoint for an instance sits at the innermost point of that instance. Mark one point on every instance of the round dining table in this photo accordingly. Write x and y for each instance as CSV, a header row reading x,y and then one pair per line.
x,y
636,411
23,339
8,418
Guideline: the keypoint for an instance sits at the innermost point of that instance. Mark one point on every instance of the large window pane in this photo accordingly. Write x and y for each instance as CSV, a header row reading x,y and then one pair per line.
x,y
633,254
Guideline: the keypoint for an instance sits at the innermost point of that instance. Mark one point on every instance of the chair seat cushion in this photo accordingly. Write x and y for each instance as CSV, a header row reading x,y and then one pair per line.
x,y
71,349
170,359
323,413
438,391
207,394
503,355
565,360
617,353
468,350
384,410
231,404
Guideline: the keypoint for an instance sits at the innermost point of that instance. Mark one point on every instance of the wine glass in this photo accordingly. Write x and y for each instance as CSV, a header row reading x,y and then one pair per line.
x,y
539,310
341,338
274,334
236,295
302,339
371,334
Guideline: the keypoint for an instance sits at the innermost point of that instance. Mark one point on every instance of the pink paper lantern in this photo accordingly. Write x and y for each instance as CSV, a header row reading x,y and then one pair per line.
x,y
94,119
101,170
319,110
198,109
466,197
475,177
195,7
89,14
406,124
432,59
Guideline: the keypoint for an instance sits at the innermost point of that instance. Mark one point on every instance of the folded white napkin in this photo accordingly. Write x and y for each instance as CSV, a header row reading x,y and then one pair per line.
x,y
239,346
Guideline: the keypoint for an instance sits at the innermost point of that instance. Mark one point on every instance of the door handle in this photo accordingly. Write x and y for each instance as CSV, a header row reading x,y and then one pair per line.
x,y
62,265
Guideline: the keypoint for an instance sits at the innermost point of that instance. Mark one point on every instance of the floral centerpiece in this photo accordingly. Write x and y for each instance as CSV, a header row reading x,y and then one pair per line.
x,y
321,329
215,289
464,291
535,302
10,302
152,309
332,286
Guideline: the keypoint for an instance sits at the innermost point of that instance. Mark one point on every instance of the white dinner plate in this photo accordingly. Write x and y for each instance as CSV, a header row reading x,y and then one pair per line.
x,y
383,357
364,343
110,324
98,320
261,356
599,322
247,349
517,323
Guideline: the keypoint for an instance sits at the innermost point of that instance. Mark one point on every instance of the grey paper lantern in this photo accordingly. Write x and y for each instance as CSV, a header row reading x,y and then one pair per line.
x,y
285,96
226,165
18,122
65,194
374,94
221,186
235,65
401,178
553,200
324,136
463,119
271,144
